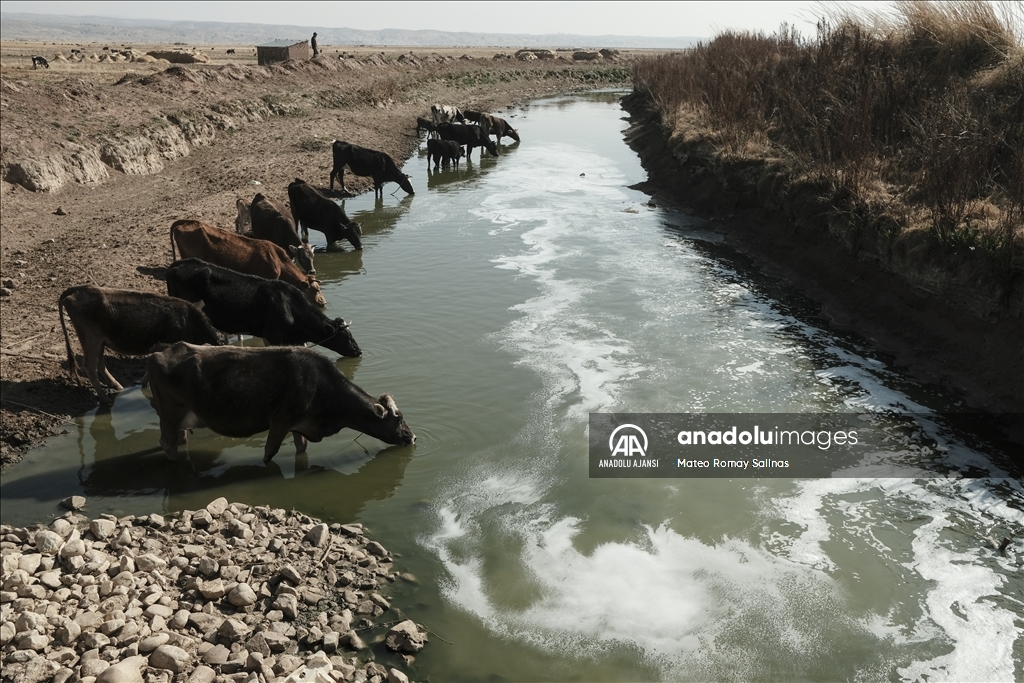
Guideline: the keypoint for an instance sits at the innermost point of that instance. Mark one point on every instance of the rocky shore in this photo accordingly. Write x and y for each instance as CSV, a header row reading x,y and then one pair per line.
x,y
230,592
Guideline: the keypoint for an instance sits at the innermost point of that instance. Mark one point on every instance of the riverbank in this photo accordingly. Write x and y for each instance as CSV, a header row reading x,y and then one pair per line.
x,y
123,160
784,229
232,591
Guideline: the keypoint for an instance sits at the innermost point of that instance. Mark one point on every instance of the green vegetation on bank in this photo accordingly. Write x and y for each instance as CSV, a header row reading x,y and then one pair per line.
x,y
906,122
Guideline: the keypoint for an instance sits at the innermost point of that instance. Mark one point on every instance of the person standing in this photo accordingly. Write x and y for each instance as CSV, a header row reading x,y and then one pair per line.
x,y
312,42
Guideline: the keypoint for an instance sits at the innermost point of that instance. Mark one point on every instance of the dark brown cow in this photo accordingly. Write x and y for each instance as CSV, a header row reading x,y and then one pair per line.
x,y
314,211
127,322
272,223
244,254
497,126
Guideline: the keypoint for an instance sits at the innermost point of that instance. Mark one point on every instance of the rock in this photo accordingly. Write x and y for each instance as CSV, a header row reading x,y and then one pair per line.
x,y
318,535
179,620
276,642
209,567
147,645
242,595
217,655
405,637
217,507
125,671
170,657
233,629
73,503
352,640
213,590
31,641
202,519
204,623
149,562
158,610
30,563
375,548
51,579
102,528
202,674
93,667
289,573
48,542
75,547
396,676
288,604
7,632
37,670
331,641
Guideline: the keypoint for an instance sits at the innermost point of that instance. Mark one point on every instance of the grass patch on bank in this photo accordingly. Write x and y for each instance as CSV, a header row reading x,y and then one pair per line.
x,y
916,116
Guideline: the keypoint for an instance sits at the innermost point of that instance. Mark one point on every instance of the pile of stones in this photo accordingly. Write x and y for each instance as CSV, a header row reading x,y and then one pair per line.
x,y
229,593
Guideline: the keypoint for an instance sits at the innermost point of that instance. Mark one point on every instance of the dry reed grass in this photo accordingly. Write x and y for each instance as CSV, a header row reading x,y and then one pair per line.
x,y
914,113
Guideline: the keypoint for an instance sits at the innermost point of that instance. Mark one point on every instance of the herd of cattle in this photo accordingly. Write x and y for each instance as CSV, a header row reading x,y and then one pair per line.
x,y
263,284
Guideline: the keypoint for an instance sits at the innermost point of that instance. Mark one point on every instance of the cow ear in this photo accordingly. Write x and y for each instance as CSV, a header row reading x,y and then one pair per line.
x,y
379,410
294,250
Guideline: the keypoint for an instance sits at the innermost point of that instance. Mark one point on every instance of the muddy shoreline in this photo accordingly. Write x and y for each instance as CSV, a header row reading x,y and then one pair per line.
x,y
937,341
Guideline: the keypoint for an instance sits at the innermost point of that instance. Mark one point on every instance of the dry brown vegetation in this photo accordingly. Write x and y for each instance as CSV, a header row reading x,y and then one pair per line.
x,y
904,123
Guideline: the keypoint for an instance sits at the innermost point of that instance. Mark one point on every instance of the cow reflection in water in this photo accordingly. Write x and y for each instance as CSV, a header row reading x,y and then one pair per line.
x,y
381,219
438,180
138,474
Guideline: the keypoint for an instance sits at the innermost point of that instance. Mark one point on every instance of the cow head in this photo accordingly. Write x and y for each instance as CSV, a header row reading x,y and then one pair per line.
x,y
391,427
405,184
492,148
512,133
339,338
312,291
243,219
303,255
352,231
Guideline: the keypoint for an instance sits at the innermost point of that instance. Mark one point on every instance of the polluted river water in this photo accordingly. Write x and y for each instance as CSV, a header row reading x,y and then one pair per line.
x,y
501,305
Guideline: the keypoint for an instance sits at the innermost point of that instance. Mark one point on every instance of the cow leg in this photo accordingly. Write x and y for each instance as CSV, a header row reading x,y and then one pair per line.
x,y
92,351
300,443
278,430
102,367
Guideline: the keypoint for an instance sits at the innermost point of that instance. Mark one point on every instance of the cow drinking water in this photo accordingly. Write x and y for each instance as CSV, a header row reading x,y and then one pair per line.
x,y
240,392
314,211
367,162
270,222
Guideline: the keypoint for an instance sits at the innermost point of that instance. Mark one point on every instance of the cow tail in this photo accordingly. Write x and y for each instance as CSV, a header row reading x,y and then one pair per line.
x,y
72,364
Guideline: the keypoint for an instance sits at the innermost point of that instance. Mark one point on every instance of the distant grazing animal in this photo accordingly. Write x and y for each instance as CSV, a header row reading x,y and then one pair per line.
x,y
240,392
443,152
244,254
445,113
314,211
367,162
40,62
497,126
230,51
427,125
271,223
247,304
469,135
128,322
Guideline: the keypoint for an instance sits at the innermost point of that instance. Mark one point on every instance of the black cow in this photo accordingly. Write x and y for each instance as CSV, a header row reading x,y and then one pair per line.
x,y
313,210
40,62
248,304
469,135
270,222
127,322
427,125
240,392
367,162
443,152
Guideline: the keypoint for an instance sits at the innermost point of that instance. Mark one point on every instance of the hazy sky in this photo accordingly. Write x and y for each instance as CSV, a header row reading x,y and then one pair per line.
x,y
667,19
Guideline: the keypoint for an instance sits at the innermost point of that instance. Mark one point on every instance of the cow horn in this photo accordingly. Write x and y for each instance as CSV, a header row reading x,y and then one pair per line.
x,y
389,402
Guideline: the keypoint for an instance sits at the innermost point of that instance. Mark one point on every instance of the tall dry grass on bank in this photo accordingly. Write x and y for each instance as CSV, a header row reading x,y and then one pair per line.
x,y
918,115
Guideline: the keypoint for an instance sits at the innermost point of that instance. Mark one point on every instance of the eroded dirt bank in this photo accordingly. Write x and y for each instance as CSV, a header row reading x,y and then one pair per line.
x,y
125,154
943,328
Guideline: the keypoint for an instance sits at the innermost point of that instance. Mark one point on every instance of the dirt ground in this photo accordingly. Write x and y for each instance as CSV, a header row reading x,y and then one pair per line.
x,y
190,140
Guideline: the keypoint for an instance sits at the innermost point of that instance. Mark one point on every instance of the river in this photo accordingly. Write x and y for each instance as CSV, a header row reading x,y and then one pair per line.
x,y
501,305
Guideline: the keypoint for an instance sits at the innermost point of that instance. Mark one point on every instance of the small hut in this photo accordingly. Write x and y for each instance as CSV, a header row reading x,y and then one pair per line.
x,y
281,50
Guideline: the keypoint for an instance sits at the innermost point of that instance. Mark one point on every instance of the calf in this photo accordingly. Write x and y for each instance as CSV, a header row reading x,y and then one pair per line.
x,y
367,162
246,304
445,113
40,62
313,210
497,126
240,392
244,254
127,322
443,152
427,125
470,136
271,223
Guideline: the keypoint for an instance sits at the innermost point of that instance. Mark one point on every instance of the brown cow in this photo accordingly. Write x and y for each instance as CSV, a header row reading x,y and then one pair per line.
x,y
127,322
495,125
243,254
